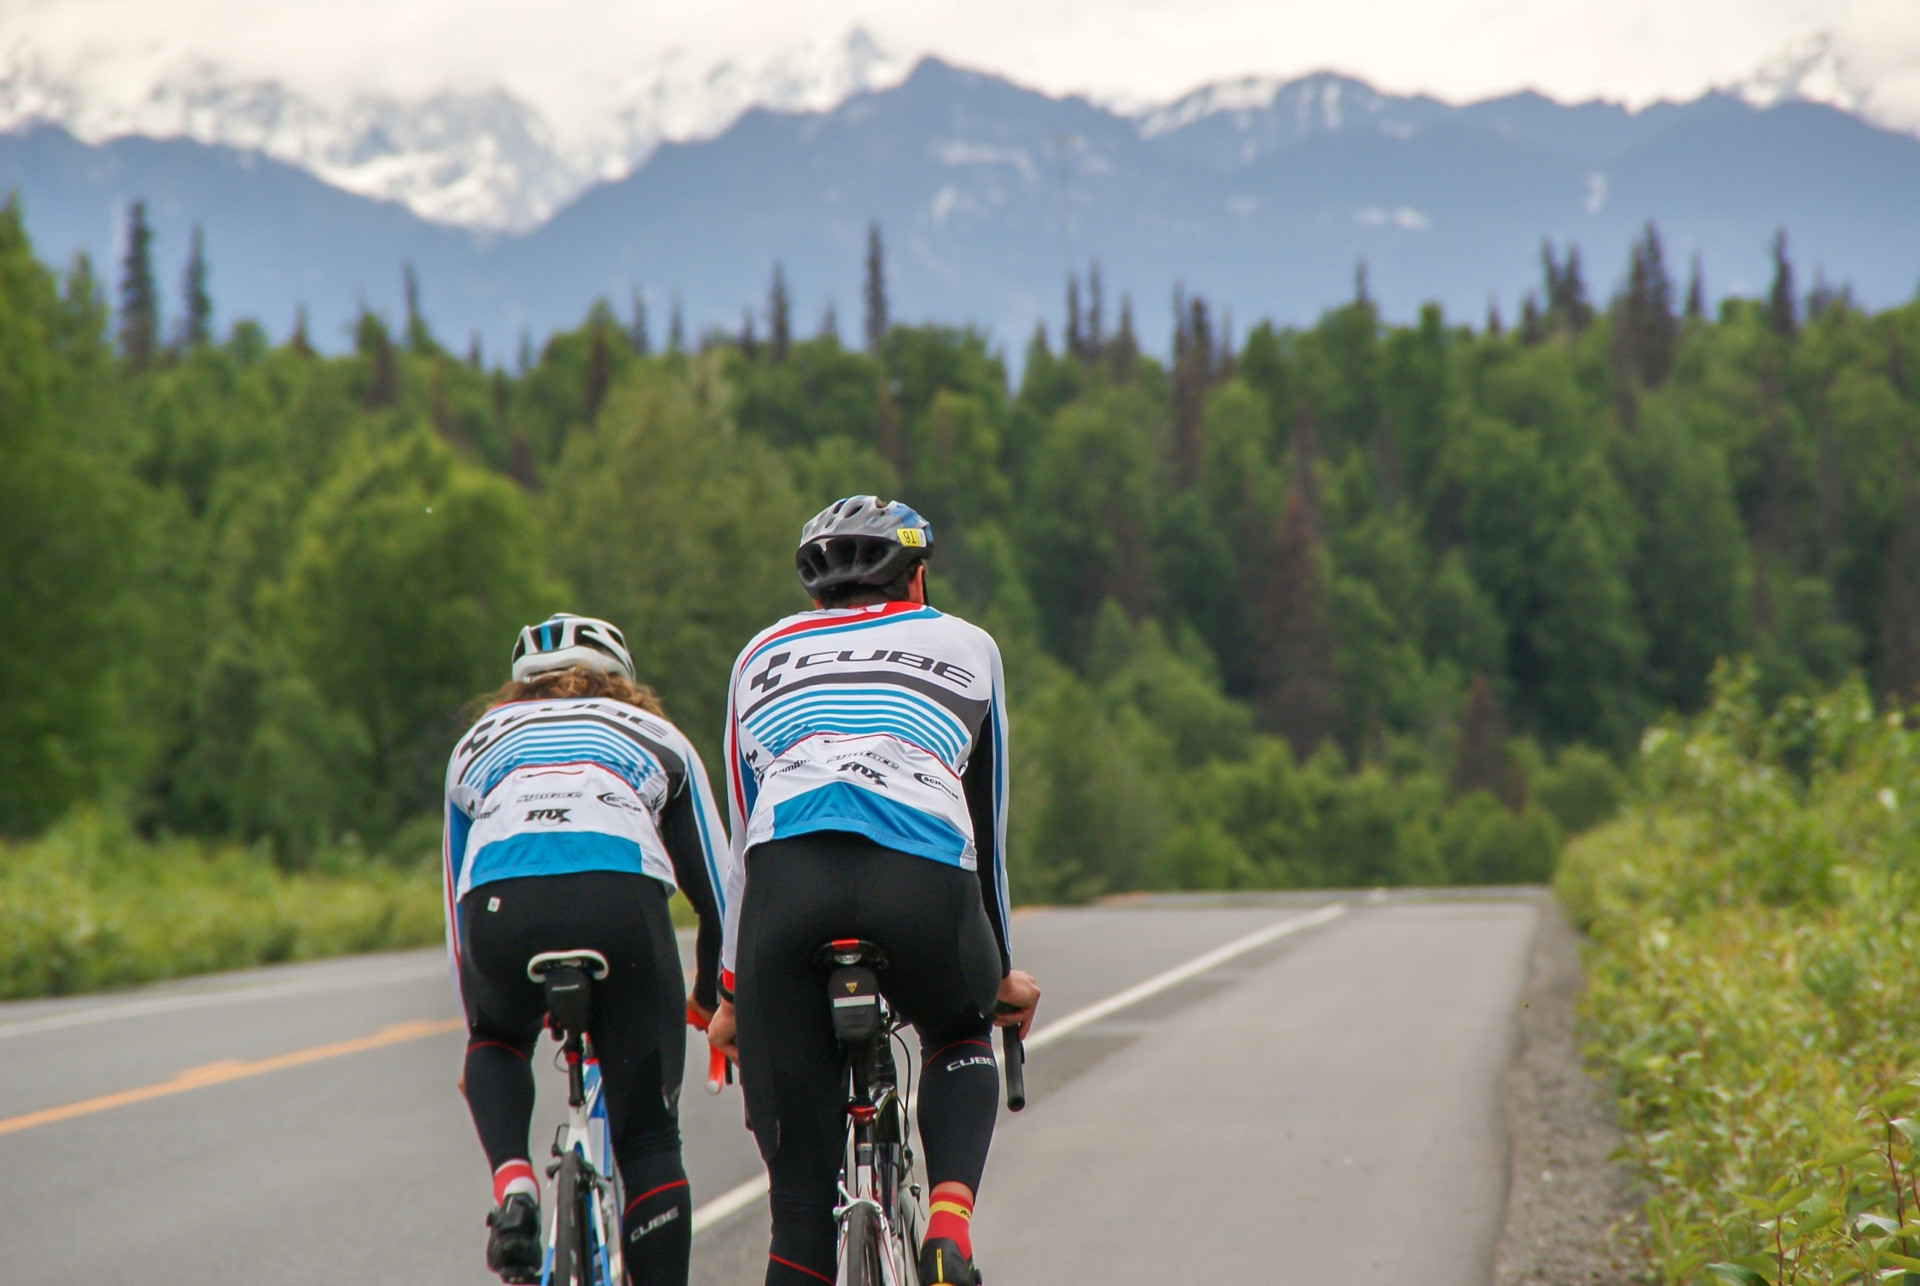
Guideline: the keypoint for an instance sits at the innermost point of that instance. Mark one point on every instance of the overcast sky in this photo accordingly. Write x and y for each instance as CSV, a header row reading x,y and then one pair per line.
x,y
574,60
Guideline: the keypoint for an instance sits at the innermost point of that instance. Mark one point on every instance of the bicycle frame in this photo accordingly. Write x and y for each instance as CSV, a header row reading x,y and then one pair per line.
x,y
876,1170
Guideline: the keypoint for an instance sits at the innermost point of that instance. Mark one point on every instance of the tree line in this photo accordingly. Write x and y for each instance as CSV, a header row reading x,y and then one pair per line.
x,y
1353,603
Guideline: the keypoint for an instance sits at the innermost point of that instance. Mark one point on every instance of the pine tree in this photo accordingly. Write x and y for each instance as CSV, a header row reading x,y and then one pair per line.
x,y
139,300
1096,307
373,343
1193,371
197,326
1696,293
1482,761
298,341
676,327
1298,684
1076,341
1782,316
1567,304
1646,332
877,323
779,315
598,377
1123,354
639,337
419,338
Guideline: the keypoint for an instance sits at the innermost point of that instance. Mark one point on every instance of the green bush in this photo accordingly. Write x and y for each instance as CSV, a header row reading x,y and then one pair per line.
x,y
1754,987
89,905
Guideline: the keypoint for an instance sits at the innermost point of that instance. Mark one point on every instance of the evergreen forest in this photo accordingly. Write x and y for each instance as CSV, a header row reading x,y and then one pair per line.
x,y
1369,602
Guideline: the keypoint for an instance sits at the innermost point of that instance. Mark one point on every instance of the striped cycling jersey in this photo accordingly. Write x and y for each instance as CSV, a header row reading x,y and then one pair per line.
x,y
590,784
886,721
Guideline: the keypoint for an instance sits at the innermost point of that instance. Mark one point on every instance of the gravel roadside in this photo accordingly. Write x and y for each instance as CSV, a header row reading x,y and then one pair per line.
x,y
1565,1196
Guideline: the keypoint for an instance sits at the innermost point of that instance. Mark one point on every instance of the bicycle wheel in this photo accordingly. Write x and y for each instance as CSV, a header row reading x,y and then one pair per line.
x,y
860,1248
572,1241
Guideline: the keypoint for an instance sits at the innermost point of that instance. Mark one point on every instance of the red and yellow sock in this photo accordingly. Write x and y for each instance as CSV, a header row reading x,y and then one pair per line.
x,y
950,1215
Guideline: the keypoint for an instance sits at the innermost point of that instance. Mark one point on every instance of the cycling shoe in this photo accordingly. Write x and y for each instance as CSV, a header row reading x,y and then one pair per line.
x,y
942,1264
513,1247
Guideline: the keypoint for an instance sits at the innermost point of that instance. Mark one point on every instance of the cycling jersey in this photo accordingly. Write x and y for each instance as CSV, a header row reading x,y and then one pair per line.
x,y
886,721
589,784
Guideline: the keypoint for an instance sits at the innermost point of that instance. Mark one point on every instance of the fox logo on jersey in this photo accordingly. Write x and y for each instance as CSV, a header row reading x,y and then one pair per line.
x,y
548,816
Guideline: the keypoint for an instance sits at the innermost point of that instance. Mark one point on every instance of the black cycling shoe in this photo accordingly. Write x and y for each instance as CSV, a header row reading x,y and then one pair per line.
x,y
513,1247
942,1264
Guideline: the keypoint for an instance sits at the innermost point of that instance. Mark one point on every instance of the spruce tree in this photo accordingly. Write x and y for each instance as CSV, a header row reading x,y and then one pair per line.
x,y
830,323
197,326
1096,307
749,342
1897,623
638,336
1124,352
1696,293
298,341
139,300
1782,314
475,358
599,373
779,315
1076,341
1298,693
676,327
1533,328
1646,331
877,323
1495,327
1578,312
376,345
419,338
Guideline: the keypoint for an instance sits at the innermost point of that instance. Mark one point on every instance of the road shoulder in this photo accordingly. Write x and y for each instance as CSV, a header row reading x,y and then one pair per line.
x,y
1566,1195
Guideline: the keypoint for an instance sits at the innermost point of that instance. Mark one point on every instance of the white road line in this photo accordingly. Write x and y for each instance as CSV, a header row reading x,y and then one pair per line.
x,y
200,999
735,1199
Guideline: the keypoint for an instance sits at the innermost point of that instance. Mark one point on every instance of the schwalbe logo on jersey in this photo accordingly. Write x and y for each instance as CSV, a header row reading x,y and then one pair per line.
x,y
613,799
928,779
549,816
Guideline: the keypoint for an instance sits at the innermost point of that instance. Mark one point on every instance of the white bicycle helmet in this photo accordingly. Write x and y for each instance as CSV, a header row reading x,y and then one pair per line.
x,y
564,640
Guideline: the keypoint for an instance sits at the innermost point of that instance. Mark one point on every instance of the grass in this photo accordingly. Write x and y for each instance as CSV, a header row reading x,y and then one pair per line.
x,y
1754,988
89,905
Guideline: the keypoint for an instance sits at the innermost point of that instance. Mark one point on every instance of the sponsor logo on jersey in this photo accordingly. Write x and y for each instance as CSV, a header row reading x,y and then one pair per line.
x,y
551,794
877,778
959,676
928,779
613,799
549,816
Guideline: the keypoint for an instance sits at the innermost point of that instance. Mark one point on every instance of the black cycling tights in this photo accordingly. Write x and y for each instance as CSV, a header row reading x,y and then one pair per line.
x,y
638,1030
942,974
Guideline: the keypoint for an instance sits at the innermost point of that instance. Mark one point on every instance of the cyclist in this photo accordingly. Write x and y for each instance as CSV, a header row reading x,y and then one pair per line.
x,y
574,808
867,782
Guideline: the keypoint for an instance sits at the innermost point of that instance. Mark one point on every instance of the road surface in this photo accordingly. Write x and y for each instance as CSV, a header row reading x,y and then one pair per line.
x,y
1320,1105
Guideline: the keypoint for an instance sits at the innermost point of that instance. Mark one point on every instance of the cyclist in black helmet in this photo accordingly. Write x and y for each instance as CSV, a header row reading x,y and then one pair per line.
x,y
867,779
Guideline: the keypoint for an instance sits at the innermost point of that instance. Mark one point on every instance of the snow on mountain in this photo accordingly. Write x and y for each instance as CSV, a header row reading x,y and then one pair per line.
x,y
480,159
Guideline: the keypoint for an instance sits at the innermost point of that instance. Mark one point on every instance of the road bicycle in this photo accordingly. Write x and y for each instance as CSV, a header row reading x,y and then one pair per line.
x,y
879,1212
582,1246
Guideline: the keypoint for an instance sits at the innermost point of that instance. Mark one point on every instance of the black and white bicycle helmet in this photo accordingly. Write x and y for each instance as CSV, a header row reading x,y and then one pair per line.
x,y
862,540
564,640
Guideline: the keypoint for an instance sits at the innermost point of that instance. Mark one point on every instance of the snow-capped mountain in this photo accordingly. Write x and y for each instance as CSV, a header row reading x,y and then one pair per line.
x,y
481,159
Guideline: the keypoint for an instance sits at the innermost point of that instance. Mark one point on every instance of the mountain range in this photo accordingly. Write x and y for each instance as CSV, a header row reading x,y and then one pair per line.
x,y
1264,195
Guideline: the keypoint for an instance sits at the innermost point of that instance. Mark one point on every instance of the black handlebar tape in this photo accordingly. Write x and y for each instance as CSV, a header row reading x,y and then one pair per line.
x,y
1016,1068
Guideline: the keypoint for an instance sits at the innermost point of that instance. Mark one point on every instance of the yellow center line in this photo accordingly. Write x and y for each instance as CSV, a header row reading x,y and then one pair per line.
x,y
232,1069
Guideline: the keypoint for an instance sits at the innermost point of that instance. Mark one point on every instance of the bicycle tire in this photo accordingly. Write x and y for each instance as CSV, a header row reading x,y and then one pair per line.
x,y
572,1244
860,1249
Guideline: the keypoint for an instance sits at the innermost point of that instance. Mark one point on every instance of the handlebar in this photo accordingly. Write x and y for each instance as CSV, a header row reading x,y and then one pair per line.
x,y
1016,1061
719,1070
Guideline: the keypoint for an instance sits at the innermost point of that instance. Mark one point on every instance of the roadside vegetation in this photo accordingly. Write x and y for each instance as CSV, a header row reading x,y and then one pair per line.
x,y
1357,603
1754,986
89,905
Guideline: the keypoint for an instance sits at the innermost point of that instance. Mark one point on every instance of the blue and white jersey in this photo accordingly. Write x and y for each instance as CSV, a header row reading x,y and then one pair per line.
x,y
589,784
886,721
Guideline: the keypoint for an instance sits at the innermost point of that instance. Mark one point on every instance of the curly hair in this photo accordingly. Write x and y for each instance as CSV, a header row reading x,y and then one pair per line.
x,y
576,681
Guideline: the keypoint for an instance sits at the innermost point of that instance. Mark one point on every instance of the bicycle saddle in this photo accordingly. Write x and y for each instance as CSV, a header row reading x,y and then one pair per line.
x,y
591,963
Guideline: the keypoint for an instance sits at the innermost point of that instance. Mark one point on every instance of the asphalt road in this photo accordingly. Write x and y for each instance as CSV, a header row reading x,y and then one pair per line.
x,y
1318,1107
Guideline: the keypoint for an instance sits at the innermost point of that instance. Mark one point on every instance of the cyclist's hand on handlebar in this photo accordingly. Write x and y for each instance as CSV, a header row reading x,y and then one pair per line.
x,y
720,1031
1019,997
698,1015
